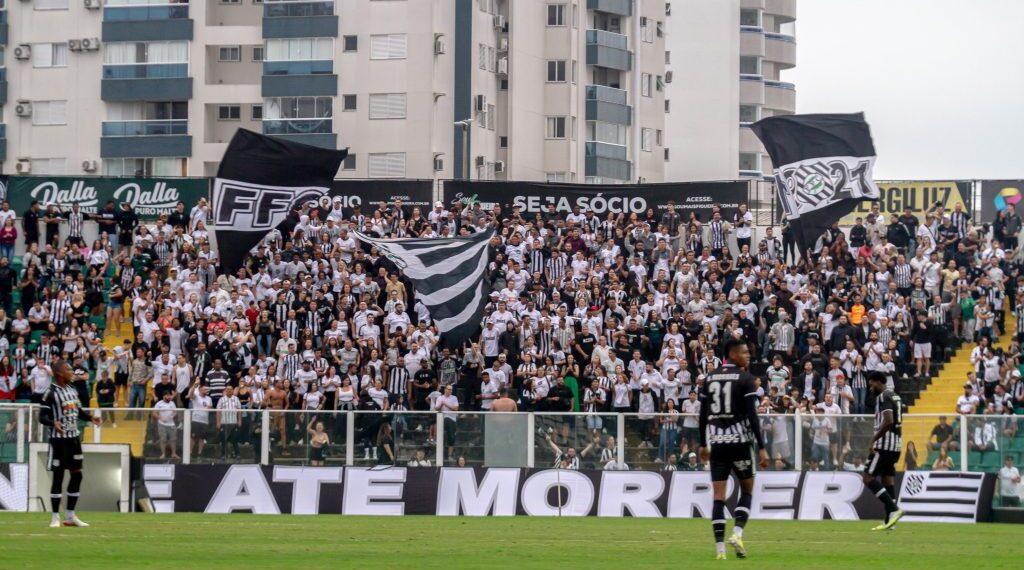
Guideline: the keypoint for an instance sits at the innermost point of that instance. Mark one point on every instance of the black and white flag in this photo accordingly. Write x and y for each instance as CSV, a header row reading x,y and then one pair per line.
x,y
260,183
940,496
823,168
449,276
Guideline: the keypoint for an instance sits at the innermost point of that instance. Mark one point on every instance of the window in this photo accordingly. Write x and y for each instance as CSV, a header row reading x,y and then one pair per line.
x,y
386,165
145,166
300,49
349,163
560,127
257,53
229,112
750,65
659,83
298,108
489,118
388,46
387,106
503,142
560,176
126,53
610,133
488,58
750,161
668,106
749,113
556,71
750,17
2,54
438,161
49,112
148,111
351,43
668,8
230,53
668,57
646,30
503,85
257,112
646,139
482,56
488,6
658,137
49,55
645,84
666,154
52,5
574,74
49,165
348,102
556,14
230,1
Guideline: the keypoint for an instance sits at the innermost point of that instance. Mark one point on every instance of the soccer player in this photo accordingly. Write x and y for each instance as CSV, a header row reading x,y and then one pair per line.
x,y
728,430
884,450
61,410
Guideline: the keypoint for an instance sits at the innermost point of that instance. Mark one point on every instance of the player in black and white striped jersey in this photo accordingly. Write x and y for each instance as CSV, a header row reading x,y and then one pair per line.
x,y
884,450
61,410
729,430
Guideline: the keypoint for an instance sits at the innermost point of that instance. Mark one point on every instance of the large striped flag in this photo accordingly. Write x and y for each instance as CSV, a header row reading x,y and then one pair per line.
x,y
449,276
823,168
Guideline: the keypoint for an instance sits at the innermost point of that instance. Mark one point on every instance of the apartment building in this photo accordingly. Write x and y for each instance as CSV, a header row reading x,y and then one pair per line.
x,y
726,58
556,90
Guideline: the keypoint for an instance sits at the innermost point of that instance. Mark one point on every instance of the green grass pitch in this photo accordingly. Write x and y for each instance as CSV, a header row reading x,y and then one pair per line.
x,y
187,541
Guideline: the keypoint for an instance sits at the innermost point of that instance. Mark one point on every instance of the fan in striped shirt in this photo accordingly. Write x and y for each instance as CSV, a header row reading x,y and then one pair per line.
x,y
884,450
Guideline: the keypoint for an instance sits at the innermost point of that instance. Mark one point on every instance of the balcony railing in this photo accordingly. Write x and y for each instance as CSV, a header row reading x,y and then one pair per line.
x,y
607,94
751,77
145,128
292,9
606,150
145,71
780,37
608,39
144,13
3,74
296,126
3,131
779,84
752,29
316,67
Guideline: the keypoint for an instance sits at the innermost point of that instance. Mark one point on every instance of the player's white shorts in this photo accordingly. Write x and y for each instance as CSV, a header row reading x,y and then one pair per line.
x,y
922,350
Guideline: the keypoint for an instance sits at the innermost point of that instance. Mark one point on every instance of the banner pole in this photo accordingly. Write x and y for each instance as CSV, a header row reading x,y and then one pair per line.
x,y
265,438
350,438
798,441
964,453
186,436
22,435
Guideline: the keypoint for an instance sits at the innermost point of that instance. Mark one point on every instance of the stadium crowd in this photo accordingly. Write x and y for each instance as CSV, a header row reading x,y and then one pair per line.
x,y
588,313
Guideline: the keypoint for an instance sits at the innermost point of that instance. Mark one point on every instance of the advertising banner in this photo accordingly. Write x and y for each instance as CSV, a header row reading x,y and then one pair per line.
x,y
997,194
14,487
368,193
149,197
918,195
453,491
534,197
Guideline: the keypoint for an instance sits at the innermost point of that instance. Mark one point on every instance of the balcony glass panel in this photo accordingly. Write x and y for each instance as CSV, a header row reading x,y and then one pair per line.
x,y
145,71
606,94
144,128
296,126
297,9
143,13
316,67
609,39
605,150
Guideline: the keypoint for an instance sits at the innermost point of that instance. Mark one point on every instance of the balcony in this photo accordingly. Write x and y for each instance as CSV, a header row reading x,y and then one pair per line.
x,y
299,85
3,86
752,41
3,142
609,105
607,161
617,7
147,23
146,82
314,132
145,138
607,49
314,67
292,19
780,96
3,28
751,89
783,10
780,49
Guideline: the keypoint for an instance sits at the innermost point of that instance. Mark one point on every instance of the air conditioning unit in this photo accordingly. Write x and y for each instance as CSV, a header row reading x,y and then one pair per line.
x,y
503,66
23,108
90,44
89,166
93,4
480,103
499,22
439,45
24,51
23,166
499,166
479,162
503,44
75,45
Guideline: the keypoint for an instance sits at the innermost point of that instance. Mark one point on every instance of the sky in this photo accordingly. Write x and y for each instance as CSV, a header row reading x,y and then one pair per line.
x,y
941,82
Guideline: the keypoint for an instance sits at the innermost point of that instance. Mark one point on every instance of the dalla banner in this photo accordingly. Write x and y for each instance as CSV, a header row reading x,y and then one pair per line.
x,y
453,491
149,197
918,195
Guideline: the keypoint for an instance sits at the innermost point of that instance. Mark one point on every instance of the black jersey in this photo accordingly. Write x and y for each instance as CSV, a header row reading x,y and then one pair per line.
x,y
893,439
729,408
61,405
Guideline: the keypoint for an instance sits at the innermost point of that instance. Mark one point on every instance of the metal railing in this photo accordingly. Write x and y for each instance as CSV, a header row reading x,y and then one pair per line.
x,y
523,439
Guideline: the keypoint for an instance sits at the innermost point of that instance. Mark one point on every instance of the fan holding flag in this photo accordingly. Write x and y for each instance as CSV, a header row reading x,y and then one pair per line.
x,y
823,169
